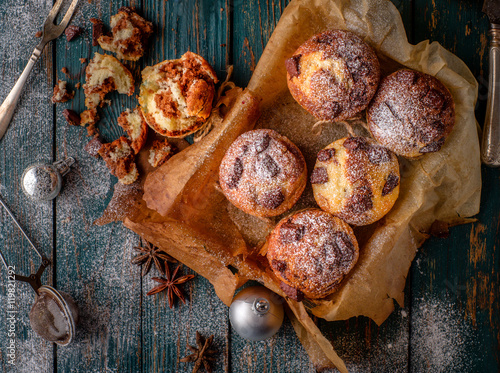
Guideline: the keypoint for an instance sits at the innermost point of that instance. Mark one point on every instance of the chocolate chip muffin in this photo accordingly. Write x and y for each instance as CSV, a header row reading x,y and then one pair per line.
x,y
263,173
176,95
333,75
411,114
356,179
311,252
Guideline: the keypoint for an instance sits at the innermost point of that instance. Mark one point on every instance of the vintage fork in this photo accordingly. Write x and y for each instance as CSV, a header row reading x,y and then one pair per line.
x,y
51,31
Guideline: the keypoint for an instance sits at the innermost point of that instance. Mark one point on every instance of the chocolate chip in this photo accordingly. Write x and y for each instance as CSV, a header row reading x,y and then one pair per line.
x,y
270,167
97,30
378,154
71,117
272,199
234,179
331,109
262,143
291,292
279,265
291,232
434,99
433,146
319,176
72,32
391,183
361,200
431,131
93,147
325,155
355,143
343,242
292,65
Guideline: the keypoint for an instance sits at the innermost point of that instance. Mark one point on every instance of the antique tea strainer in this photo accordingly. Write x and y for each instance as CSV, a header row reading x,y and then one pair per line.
x,y
54,314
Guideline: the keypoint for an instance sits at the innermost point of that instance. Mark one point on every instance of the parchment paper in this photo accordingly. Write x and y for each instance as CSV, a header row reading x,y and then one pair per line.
x,y
184,213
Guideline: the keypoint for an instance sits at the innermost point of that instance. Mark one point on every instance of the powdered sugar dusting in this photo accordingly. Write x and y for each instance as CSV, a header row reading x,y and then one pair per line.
x,y
440,334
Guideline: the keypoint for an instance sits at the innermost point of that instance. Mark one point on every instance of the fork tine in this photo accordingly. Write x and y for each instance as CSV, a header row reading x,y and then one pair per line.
x,y
53,12
69,14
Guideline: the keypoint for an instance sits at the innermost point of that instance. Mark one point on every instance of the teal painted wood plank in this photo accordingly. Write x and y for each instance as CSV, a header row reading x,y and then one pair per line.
x,y
253,24
200,27
28,140
93,263
455,282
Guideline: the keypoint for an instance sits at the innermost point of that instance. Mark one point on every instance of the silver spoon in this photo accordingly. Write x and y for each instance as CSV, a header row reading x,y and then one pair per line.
x,y
54,314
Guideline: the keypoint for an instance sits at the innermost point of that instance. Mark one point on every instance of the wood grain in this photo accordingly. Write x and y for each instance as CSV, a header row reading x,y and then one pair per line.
x,y
93,263
29,139
201,27
463,270
122,329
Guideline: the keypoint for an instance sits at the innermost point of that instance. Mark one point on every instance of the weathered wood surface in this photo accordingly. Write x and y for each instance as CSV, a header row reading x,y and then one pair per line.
x,y
450,321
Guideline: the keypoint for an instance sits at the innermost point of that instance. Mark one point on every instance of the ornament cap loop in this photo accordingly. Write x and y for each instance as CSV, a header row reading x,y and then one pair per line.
x,y
261,306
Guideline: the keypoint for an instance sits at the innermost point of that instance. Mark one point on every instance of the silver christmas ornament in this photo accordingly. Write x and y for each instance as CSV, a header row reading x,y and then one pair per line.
x,y
43,182
256,313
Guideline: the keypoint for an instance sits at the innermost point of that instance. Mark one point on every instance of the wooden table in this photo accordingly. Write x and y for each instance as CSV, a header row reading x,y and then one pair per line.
x,y
451,317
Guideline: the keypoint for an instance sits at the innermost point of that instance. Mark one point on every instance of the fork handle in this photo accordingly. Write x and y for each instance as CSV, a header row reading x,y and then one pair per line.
x,y
9,105
490,149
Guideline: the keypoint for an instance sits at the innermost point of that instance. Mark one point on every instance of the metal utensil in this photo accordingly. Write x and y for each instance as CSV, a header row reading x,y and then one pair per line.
x,y
54,314
490,147
42,181
50,32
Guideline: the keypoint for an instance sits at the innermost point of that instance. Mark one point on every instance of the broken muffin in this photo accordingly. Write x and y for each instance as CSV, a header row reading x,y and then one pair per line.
x,y
61,93
160,152
104,74
119,158
176,95
136,127
130,35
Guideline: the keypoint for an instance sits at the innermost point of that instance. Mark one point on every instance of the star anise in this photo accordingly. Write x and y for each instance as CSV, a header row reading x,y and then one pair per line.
x,y
170,283
149,254
202,354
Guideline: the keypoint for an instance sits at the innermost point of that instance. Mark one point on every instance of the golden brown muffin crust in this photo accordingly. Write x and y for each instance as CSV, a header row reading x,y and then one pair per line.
x,y
312,251
356,179
263,173
412,113
333,75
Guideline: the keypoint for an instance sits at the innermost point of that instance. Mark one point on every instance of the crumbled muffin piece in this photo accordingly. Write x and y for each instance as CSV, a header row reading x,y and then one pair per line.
x,y
38,34
61,93
119,158
97,30
83,60
88,117
105,74
160,152
72,32
78,85
71,117
130,34
93,146
136,127
65,71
